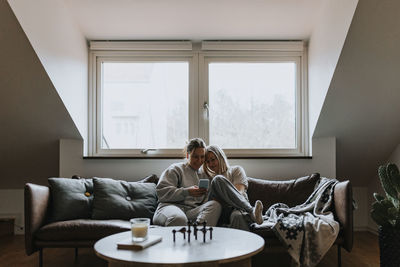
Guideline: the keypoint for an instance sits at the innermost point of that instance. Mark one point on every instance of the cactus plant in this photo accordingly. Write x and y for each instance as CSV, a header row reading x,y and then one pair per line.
x,y
386,210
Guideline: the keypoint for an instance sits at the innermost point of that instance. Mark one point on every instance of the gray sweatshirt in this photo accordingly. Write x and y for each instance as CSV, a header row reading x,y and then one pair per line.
x,y
174,183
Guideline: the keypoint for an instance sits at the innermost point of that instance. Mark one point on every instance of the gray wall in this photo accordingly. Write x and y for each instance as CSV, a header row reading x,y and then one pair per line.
x,y
362,105
32,116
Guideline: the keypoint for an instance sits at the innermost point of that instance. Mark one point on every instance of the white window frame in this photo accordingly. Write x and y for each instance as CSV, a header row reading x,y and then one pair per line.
x,y
198,58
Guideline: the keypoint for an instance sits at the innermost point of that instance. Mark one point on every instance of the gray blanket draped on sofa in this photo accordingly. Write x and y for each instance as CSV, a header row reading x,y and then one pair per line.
x,y
308,230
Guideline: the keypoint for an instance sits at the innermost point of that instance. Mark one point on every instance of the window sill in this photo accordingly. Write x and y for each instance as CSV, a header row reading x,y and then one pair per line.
x,y
253,157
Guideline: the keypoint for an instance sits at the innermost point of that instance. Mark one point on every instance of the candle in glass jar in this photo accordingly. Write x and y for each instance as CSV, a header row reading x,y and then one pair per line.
x,y
139,228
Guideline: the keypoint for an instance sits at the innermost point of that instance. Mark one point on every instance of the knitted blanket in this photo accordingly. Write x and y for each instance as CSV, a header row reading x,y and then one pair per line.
x,y
308,230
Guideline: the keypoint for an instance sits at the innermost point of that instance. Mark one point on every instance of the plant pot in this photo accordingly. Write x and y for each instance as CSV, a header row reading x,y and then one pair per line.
x,y
389,246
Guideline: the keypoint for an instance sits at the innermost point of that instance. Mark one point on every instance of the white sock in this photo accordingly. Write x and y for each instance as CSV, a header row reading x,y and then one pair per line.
x,y
256,214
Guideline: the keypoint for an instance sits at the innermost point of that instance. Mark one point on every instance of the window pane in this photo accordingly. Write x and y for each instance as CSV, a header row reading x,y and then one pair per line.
x,y
145,105
252,105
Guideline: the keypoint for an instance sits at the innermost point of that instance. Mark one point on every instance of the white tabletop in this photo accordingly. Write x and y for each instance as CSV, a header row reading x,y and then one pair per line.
x,y
227,245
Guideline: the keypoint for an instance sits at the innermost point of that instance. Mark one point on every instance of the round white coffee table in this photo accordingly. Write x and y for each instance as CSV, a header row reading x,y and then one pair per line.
x,y
228,247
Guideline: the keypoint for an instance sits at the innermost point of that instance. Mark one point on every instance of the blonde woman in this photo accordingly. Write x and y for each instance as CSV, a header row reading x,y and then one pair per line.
x,y
229,186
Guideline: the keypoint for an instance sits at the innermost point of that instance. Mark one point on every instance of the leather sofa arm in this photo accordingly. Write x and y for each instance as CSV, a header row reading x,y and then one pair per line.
x,y
343,201
37,198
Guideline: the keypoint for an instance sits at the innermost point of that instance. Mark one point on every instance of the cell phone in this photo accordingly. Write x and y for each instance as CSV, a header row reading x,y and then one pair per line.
x,y
204,183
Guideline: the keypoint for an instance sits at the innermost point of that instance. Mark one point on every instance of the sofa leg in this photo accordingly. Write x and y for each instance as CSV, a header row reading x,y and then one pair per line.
x,y
339,256
76,254
40,257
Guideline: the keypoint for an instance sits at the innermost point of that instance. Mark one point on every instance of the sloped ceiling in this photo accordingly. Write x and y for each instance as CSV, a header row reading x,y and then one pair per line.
x,y
362,105
32,115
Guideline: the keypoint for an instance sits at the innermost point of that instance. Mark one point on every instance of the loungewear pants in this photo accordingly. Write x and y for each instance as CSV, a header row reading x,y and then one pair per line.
x,y
178,215
225,192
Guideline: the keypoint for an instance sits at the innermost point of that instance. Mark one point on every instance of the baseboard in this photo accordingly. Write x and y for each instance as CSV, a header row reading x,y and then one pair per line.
x,y
373,231
365,229
12,206
17,220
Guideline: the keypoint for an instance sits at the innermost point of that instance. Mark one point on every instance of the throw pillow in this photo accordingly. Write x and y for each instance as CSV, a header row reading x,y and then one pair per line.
x,y
71,198
115,199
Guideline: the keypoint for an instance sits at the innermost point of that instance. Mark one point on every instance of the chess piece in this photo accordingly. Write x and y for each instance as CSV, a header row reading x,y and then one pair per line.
x,y
195,230
183,231
174,232
210,229
204,230
189,231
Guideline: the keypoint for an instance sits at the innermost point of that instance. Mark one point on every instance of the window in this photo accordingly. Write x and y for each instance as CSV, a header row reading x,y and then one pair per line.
x,y
144,104
259,97
148,99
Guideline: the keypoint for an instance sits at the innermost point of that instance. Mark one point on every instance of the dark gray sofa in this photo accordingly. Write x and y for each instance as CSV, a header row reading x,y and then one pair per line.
x,y
41,232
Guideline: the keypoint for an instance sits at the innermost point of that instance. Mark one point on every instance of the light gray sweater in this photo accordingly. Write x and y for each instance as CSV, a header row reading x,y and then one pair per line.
x,y
174,183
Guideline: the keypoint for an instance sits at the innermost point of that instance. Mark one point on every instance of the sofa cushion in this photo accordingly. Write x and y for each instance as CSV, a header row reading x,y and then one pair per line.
x,y
71,198
116,199
83,229
290,192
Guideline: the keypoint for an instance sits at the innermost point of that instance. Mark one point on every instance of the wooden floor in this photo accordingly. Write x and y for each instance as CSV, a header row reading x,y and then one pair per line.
x,y
365,252
12,253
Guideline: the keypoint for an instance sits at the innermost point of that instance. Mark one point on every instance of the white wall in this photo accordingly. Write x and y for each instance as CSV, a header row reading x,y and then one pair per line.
x,y
71,162
325,45
61,48
375,186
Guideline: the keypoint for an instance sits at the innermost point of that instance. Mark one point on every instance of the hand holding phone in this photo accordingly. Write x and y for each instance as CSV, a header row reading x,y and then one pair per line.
x,y
204,183
196,191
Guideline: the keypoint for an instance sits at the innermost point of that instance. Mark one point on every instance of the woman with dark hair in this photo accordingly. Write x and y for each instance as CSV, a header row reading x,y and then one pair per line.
x,y
180,197
229,186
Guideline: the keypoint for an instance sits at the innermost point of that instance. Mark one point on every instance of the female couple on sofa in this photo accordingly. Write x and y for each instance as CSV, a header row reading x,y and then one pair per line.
x,y
181,199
